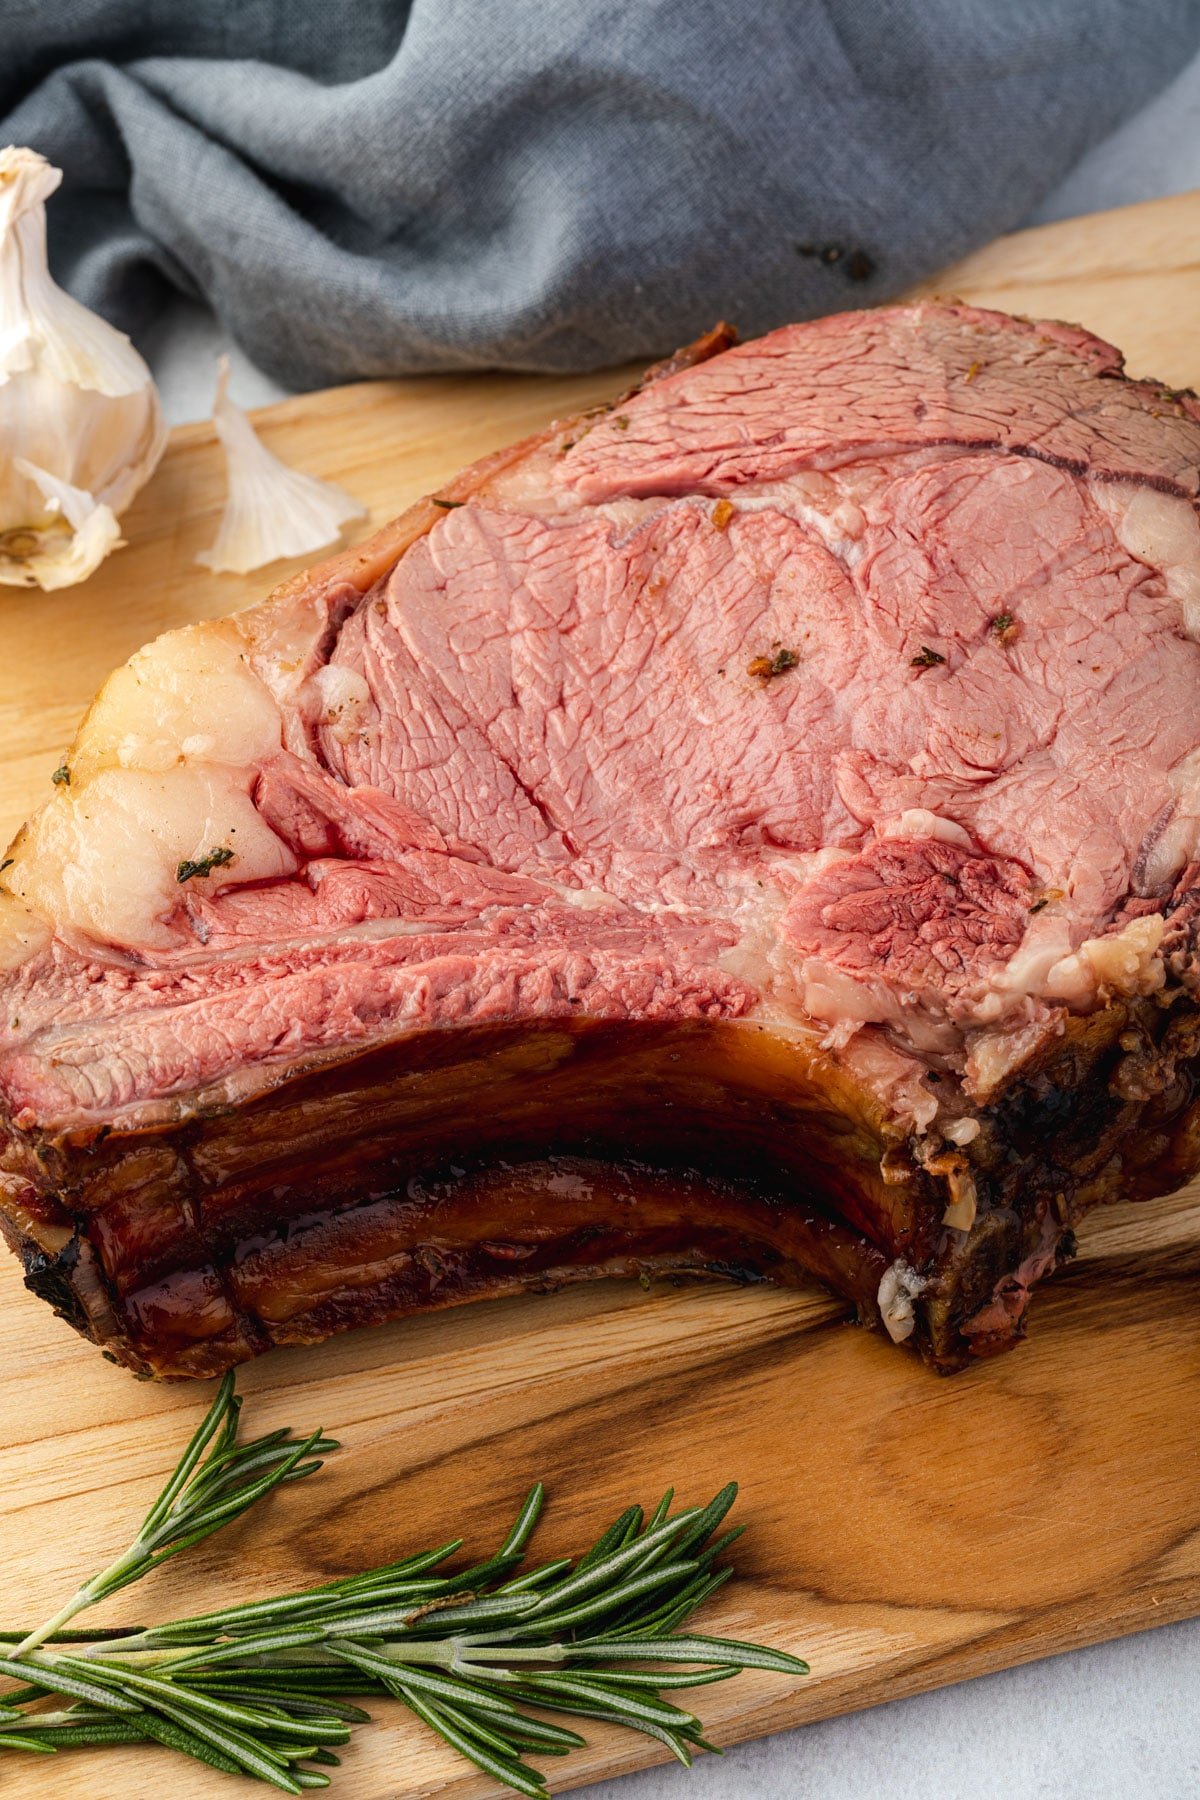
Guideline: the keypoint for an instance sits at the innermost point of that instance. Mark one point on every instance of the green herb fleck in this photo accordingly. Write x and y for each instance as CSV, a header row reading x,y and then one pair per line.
x,y
216,859
61,776
447,505
927,659
622,422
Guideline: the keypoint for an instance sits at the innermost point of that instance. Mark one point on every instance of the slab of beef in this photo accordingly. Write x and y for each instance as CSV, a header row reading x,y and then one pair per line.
x,y
747,831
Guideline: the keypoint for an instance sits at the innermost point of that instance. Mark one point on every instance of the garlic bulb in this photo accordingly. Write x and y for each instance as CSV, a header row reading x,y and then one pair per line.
x,y
271,511
81,428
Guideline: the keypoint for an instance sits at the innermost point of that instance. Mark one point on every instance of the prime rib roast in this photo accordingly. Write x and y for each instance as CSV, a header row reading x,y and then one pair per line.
x,y
745,831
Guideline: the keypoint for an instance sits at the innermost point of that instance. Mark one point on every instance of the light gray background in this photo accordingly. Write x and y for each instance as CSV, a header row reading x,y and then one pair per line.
x,y
1115,1722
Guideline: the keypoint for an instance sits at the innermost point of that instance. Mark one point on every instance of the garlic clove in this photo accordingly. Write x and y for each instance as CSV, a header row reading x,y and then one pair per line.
x,y
80,420
77,535
42,325
81,428
271,511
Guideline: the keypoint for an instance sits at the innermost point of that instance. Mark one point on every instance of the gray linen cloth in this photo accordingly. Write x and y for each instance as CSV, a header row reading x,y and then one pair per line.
x,y
371,188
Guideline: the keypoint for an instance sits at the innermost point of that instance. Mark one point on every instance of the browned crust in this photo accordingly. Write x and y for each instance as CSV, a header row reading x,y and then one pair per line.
x,y
147,1240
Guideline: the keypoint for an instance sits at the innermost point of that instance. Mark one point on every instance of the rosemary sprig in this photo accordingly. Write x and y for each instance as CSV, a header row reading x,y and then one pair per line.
x,y
265,1688
203,1493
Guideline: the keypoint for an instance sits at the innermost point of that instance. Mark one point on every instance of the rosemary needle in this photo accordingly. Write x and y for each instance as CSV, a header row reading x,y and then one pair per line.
x,y
264,1688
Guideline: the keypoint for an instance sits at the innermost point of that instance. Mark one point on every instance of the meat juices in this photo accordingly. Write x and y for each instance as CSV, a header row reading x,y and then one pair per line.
x,y
747,832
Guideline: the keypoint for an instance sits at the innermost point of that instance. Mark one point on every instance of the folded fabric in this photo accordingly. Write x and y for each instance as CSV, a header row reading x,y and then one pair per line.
x,y
372,189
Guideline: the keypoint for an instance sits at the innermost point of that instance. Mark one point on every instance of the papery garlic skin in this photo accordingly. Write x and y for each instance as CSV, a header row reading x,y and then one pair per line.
x,y
271,511
81,427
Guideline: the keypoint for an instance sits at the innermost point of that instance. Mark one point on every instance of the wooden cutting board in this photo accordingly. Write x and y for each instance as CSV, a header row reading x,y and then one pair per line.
x,y
904,1532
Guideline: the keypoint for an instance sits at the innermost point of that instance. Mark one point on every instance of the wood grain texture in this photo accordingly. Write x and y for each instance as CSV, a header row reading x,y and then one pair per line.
x,y
904,1532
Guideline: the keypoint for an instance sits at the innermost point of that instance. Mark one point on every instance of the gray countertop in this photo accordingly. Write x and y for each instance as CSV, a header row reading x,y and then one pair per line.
x,y
1113,1721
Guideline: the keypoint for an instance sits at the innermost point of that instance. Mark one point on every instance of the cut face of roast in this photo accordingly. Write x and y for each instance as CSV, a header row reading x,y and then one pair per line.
x,y
750,831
